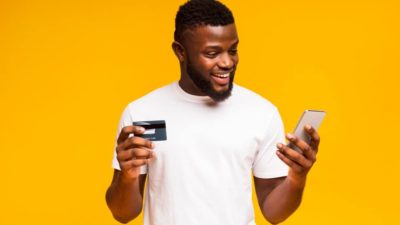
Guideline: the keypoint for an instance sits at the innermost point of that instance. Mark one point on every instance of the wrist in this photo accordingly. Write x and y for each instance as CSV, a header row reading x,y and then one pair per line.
x,y
126,178
297,181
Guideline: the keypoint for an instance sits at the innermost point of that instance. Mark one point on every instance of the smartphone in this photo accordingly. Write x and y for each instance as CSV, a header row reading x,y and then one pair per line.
x,y
312,117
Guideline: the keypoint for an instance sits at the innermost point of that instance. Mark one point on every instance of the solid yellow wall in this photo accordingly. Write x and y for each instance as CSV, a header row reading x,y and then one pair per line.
x,y
68,68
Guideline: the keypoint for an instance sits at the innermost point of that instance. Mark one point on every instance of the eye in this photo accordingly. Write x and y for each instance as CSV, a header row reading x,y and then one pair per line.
x,y
212,54
233,51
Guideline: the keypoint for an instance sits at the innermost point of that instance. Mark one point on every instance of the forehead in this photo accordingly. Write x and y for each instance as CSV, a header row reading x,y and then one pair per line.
x,y
203,36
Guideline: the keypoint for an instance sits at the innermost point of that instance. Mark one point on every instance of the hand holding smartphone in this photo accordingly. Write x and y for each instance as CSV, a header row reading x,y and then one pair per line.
x,y
311,117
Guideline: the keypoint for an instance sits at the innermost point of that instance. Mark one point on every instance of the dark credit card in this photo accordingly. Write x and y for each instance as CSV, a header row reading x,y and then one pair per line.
x,y
155,130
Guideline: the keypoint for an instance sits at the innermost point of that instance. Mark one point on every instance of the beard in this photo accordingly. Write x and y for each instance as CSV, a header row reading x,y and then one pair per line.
x,y
206,87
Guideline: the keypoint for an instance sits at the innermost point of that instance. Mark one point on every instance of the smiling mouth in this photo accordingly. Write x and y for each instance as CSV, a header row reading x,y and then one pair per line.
x,y
221,79
225,75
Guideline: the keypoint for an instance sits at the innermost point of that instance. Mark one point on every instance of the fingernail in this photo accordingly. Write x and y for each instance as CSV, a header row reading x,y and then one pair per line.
x,y
289,135
308,126
153,145
279,145
140,129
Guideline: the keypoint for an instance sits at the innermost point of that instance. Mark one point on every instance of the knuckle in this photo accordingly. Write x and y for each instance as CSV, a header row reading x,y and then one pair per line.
x,y
146,153
125,156
134,163
119,156
132,153
138,162
125,129
134,140
120,148
140,153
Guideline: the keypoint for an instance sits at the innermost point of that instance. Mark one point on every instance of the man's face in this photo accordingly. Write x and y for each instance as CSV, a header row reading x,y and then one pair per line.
x,y
212,58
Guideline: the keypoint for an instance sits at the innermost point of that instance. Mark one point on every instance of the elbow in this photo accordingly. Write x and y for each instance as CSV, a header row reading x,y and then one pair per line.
x,y
126,218
278,217
122,215
274,221
123,220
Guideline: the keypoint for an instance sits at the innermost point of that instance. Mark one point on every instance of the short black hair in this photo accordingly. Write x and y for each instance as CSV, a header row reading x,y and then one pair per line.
x,y
201,12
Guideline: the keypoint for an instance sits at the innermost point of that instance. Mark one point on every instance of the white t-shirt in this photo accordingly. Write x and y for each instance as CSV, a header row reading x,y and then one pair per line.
x,y
203,171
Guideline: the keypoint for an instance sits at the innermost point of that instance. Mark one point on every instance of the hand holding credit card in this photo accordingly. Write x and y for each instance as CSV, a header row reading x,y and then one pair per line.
x,y
155,129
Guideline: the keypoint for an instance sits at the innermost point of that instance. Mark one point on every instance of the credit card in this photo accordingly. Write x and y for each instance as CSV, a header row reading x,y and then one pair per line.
x,y
155,129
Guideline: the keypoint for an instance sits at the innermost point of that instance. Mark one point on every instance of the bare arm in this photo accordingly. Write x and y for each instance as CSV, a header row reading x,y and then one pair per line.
x,y
125,198
125,195
280,197
280,202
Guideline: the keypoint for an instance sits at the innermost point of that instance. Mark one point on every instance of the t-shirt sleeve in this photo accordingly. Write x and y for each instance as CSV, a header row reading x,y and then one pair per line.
x,y
266,163
126,120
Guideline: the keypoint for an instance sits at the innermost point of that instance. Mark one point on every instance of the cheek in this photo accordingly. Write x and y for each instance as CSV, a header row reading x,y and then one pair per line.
x,y
236,59
205,65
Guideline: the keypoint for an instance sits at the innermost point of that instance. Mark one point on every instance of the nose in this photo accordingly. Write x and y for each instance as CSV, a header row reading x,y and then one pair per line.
x,y
226,61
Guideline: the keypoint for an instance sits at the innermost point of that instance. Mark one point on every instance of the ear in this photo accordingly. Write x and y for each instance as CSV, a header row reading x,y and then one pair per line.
x,y
179,51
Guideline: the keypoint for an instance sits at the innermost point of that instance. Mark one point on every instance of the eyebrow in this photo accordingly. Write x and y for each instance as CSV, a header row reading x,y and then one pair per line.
x,y
218,47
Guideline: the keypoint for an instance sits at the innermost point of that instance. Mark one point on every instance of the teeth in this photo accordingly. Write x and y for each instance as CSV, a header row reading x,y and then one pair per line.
x,y
222,75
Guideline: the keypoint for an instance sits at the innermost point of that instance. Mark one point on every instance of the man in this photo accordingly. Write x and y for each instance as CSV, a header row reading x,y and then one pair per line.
x,y
219,136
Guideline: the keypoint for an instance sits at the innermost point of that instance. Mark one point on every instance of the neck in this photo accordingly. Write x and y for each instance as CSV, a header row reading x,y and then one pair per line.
x,y
188,86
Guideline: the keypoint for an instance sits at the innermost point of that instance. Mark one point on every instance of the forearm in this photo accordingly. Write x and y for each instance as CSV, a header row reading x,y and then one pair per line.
x,y
283,201
124,199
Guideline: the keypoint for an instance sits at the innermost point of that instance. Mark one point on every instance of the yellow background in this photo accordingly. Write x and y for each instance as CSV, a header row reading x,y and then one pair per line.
x,y
68,68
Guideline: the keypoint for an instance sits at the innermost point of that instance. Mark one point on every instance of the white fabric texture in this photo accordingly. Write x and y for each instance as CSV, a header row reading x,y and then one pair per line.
x,y
203,171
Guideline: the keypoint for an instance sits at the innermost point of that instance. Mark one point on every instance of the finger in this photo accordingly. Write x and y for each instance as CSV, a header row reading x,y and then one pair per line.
x,y
294,156
142,153
126,131
133,142
302,145
134,163
288,162
315,139
134,153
